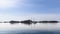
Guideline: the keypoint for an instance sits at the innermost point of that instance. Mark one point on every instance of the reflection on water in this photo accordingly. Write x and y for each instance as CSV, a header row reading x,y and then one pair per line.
x,y
36,28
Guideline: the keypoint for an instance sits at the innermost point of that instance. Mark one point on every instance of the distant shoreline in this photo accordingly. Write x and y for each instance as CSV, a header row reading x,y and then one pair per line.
x,y
29,22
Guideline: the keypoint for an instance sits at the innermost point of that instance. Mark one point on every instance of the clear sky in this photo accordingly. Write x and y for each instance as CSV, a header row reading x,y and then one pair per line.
x,y
29,9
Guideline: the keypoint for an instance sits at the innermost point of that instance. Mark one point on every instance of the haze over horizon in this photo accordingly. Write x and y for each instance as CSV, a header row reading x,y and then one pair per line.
x,y
29,9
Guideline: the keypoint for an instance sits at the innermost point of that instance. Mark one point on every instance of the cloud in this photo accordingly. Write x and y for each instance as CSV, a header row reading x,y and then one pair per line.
x,y
18,3
45,17
9,3
32,17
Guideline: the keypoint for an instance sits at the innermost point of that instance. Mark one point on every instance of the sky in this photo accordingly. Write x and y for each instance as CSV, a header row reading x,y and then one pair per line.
x,y
29,9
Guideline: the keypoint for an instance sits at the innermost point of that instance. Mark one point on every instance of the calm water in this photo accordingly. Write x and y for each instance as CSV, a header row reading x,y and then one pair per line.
x,y
39,28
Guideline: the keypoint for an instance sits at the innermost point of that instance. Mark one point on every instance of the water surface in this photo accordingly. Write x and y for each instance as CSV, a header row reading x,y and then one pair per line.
x,y
39,28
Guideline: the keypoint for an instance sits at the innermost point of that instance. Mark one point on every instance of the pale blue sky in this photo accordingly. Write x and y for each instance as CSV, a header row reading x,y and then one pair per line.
x,y
28,8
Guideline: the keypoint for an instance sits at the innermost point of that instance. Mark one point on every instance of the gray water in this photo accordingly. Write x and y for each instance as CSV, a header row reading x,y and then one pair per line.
x,y
39,28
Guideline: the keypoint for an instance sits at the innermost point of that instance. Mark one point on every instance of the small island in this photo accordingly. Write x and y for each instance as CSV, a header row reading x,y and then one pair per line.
x,y
48,21
12,22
